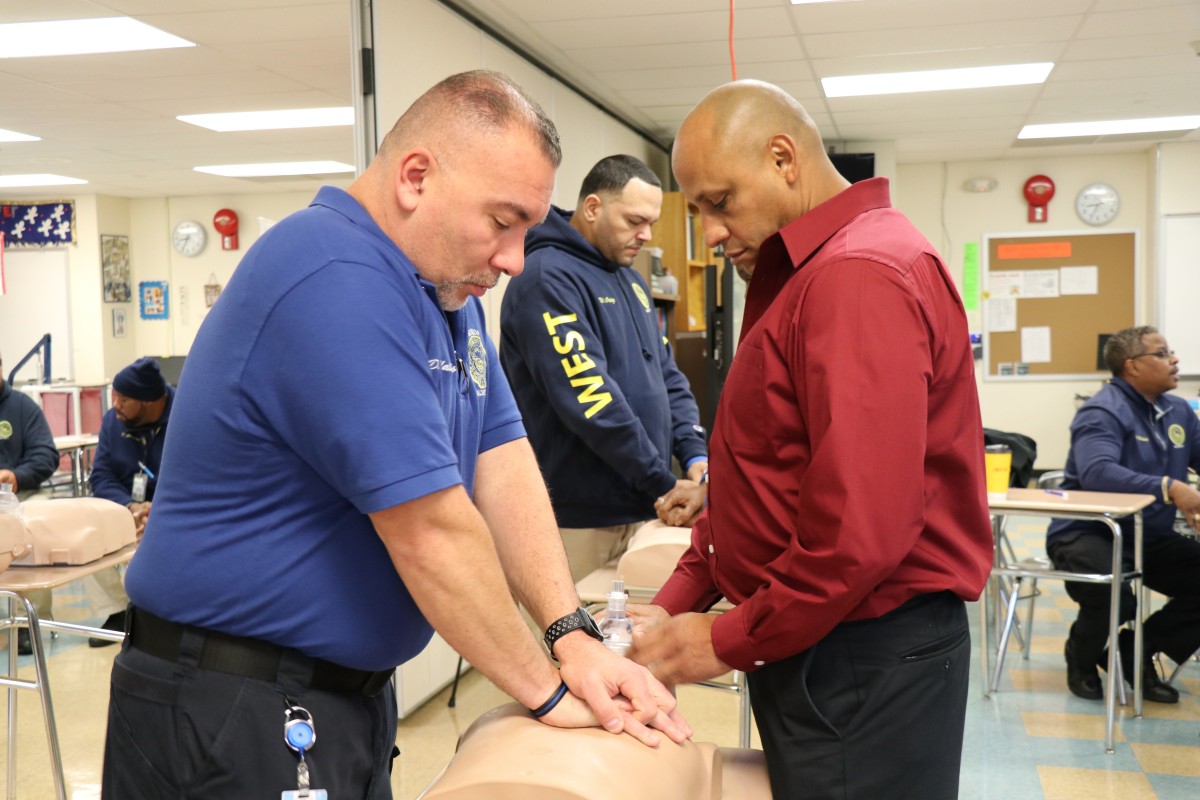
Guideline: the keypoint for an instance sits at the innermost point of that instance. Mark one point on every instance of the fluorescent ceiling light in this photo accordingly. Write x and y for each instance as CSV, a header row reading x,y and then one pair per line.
x,y
937,80
272,120
36,179
808,2
1112,126
13,136
77,36
279,168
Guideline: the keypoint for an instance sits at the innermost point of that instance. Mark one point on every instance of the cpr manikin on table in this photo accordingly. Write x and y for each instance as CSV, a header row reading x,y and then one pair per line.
x,y
508,755
74,531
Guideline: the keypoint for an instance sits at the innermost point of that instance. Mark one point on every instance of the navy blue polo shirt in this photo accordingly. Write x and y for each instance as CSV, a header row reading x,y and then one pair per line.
x,y
324,385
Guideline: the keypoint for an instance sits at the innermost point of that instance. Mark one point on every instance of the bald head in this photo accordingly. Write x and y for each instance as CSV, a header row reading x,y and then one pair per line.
x,y
743,115
750,158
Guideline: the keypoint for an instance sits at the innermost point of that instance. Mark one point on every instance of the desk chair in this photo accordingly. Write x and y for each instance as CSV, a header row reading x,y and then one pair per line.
x,y
1033,565
39,684
645,566
1095,506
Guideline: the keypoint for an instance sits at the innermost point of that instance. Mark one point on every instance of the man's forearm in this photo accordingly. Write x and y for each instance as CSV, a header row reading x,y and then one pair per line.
x,y
512,497
443,551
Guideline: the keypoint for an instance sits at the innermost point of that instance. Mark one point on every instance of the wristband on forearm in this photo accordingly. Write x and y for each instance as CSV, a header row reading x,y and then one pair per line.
x,y
1166,490
548,706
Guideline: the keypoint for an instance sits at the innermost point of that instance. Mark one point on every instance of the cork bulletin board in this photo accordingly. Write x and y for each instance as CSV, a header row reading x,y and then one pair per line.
x,y
1048,300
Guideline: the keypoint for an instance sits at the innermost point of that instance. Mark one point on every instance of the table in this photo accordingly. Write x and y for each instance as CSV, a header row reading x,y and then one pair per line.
x,y
1104,507
15,582
76,446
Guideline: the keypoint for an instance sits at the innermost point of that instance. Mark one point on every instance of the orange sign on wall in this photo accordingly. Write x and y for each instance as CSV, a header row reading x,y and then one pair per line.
x,y
1034,250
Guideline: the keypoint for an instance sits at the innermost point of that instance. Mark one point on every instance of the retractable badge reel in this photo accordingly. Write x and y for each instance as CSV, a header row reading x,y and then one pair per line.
x,y
300,734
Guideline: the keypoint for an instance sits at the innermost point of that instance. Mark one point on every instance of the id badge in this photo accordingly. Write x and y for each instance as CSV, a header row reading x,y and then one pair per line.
x,y
305,794
139,488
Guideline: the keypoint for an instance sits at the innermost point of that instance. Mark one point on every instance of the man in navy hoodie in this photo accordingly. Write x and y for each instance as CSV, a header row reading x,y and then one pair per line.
x,y
602,400
1133,437
27,452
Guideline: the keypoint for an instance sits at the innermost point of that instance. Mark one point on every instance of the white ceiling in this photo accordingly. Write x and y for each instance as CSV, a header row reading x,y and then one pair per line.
x,y
110,118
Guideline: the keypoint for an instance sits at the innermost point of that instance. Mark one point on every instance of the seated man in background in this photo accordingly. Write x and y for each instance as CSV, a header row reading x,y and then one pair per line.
x,y
27,457
27,452
604,403
128,457
1133,437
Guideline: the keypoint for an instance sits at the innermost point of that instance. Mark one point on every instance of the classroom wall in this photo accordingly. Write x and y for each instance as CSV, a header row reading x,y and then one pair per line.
x,y
154,259
1177,176
931,195
587,134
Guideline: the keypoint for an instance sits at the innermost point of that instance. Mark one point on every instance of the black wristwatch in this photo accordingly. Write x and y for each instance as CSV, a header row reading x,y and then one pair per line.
x,y
579,619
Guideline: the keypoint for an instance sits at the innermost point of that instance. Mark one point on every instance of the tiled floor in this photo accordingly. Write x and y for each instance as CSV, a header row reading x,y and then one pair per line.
x,y
1032,740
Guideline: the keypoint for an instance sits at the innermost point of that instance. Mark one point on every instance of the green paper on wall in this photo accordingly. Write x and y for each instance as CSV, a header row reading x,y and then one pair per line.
x,y
970,276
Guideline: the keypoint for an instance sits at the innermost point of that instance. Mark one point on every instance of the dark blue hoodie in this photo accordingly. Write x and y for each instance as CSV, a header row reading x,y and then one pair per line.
x,y
120,449
604,405
26,444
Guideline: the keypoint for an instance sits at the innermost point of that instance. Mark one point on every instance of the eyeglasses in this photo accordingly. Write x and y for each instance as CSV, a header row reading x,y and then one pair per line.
x,y
1163,354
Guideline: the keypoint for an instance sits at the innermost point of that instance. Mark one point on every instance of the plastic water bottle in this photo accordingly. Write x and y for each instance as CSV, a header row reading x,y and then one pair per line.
x,y
616,627
9,504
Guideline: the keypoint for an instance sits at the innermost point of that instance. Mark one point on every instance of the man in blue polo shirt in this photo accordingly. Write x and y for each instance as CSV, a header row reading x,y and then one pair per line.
x,y
1133,436
347,472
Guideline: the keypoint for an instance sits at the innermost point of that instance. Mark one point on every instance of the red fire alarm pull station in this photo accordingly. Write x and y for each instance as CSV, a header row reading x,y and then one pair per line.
x,y
1039,191
226,223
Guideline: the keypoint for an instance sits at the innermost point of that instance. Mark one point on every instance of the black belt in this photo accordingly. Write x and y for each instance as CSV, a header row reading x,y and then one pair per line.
x,y
250,658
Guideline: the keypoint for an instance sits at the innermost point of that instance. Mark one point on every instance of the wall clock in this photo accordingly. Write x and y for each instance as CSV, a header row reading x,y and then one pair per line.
x,y
1097,203
189,237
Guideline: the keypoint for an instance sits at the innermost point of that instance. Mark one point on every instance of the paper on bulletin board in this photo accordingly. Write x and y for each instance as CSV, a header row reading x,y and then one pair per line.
x,y
1001,314
1039,283
1079,280
1005,284
1035,345
970,280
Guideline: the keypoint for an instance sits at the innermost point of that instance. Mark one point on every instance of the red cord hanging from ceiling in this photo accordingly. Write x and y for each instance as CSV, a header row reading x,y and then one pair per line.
x,y
732,57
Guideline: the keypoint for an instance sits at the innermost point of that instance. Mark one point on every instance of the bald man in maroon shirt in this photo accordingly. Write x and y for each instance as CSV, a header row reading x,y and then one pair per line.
x,y
847,515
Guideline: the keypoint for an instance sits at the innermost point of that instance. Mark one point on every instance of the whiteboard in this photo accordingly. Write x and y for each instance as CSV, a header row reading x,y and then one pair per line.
x,y
38,301
1178,289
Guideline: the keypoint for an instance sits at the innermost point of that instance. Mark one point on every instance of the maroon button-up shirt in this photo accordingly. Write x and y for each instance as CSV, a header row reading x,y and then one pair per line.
x,y
846,462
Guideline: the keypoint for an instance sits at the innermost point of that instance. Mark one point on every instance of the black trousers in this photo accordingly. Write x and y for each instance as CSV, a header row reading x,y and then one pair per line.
x,y
1170,566
874,710
177,731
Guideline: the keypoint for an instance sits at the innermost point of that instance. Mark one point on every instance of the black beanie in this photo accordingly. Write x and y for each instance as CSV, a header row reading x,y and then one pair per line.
x,y
141,380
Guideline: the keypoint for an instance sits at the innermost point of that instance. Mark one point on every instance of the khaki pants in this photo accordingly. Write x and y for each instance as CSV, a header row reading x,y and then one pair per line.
x,y
588,549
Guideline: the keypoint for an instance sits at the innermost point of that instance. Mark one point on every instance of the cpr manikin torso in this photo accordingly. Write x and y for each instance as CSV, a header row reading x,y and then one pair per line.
x,y
508,755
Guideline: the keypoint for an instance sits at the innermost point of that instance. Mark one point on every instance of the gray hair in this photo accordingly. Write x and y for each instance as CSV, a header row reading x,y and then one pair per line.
x,y
1124,345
